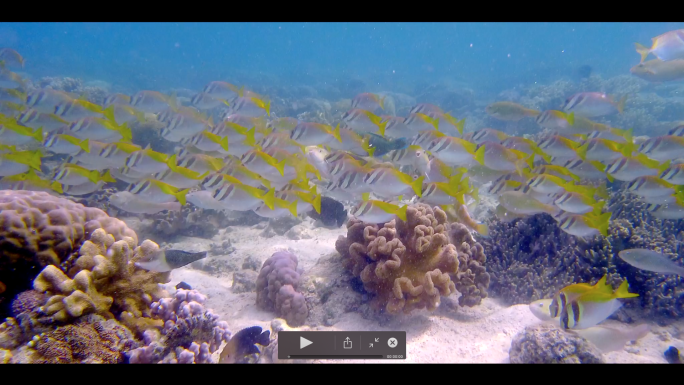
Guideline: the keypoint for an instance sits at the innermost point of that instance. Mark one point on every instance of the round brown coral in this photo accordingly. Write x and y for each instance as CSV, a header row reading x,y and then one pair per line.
x,y
38,229
410,265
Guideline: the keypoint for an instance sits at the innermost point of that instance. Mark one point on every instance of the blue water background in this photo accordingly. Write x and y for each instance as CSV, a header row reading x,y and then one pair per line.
x,y
386,56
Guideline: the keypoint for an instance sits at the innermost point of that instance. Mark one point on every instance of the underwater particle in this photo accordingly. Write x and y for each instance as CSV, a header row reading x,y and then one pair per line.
x,y
183,285
672,355
244,343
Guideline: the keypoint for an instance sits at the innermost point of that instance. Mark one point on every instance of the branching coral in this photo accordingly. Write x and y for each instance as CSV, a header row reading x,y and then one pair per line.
x,y
104,280
38,229
277,285
410,265
531,258
190,334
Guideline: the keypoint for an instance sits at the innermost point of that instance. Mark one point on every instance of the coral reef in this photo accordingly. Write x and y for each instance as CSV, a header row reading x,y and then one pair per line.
x,y
546,344
191,333
277,285
410,265
104,280
38,229
90,339
532,258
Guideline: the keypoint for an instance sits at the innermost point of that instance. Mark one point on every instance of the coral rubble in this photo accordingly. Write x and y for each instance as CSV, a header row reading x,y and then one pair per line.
x,y
410,265
547,344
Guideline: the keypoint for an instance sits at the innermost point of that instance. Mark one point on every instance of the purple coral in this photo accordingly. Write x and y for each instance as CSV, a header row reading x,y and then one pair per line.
x,y
189,329
277,288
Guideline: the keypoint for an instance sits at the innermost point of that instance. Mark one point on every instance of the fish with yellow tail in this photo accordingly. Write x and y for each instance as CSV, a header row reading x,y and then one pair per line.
x,y
364,121
251,106
656,70
578,203
593,104
95,128
460,211
391,182
368,101
162,261
652,186
593,307
628,168
668,46
311,134
558,146
486,135
65,144
156,191
131,203
29,181
585,225
604,150
12,134
180,177
442,193
71,174
243,344
674,174
375,211
151,102
10,57
498,157
556,120
456,151
518,202
663,148
234,195
510,111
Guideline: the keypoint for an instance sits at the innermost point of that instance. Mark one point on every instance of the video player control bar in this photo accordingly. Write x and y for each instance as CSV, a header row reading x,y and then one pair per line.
x,y
341,345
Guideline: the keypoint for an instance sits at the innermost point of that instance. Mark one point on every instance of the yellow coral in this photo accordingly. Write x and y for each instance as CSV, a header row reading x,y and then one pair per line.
x,y
105,281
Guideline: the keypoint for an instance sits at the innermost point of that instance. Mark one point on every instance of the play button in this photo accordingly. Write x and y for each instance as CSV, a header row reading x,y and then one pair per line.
x,y
303,342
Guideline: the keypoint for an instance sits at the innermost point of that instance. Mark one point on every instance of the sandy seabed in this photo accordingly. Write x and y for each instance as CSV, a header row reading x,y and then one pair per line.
x,y
451,334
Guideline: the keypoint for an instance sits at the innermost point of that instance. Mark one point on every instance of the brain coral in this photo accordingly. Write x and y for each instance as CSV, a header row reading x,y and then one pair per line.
x,y
38,229
410,265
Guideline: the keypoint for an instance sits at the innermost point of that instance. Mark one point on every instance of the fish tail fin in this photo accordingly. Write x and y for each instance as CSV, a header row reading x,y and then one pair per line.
x,y
34,160
460,125
482,229
224,143
401,212
126,133
417,186
290,206
381,102
582,151
280,166
171,162
381,127
316,203
241,91
267,107
336,133
249,137
643,51
479,155
107,177
85,145
475,194
623,291
621,104
94,176
109,114
570,118
602,191
57,187
38,134
180,195
602,222
269,198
